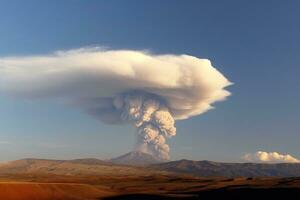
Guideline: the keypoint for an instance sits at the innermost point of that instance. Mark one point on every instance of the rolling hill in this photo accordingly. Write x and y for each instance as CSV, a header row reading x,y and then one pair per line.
x,y
79,179
71,167
125,166
136,158
217,169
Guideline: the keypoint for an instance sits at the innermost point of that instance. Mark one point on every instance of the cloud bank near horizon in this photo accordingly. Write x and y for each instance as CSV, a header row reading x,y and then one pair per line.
x,y
270,157
116,86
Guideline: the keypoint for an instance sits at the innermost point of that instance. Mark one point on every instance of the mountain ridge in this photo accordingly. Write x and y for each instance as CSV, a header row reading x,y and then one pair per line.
x,y
222,169
205,168
136,158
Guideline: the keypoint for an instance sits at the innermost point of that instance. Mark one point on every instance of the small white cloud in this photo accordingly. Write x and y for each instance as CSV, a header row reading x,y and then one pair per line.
x,y
270,157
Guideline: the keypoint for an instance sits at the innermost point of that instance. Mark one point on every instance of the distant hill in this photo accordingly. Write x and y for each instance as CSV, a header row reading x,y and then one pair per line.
x,y
136,158
123,166
71,167
216,169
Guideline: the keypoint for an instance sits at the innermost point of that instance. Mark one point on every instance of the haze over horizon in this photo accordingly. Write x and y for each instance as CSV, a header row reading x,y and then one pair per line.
x,y
254,49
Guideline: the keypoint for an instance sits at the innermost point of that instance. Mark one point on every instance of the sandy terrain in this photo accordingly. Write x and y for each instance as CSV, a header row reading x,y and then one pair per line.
x,y
38,179
49,191
46,187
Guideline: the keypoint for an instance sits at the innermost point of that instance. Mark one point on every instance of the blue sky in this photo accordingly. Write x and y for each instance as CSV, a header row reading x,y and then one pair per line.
x,y
253,43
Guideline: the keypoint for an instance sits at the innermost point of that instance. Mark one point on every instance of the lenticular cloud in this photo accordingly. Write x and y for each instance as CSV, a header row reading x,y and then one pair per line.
x,y
121,86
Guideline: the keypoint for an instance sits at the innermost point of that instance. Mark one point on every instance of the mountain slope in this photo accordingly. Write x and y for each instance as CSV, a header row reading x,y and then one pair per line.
x,y
70,167
208,168
136,158
97,167
49,191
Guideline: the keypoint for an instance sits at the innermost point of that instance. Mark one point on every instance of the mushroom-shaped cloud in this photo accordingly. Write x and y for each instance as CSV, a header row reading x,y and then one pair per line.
x,y
150,91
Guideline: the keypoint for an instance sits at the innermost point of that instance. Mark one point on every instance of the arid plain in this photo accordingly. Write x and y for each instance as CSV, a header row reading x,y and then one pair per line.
x,y
35,179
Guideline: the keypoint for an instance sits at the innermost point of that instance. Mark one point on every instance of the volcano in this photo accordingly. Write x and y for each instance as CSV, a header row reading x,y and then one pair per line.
x,y
136,158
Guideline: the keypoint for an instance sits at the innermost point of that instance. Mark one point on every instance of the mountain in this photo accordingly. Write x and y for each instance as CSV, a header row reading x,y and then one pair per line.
x,y
147,165
217,169
136,158
90,178
88,166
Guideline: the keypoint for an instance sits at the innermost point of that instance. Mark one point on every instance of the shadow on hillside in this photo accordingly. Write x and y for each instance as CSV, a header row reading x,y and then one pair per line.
x,y
147,197
224,193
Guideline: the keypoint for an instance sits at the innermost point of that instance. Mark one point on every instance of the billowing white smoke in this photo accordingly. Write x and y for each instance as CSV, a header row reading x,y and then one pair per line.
x,y
271,157
117,86
152,118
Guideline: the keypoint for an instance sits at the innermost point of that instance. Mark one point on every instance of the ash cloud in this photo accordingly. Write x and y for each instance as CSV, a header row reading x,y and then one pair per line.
x,y
270,157
121,86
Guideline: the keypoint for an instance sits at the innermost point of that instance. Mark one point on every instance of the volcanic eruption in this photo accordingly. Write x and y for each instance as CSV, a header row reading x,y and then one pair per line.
x,y
152,119
121,86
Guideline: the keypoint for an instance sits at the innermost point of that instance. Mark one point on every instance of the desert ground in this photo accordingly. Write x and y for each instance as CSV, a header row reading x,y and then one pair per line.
x,y
39,179
51,186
